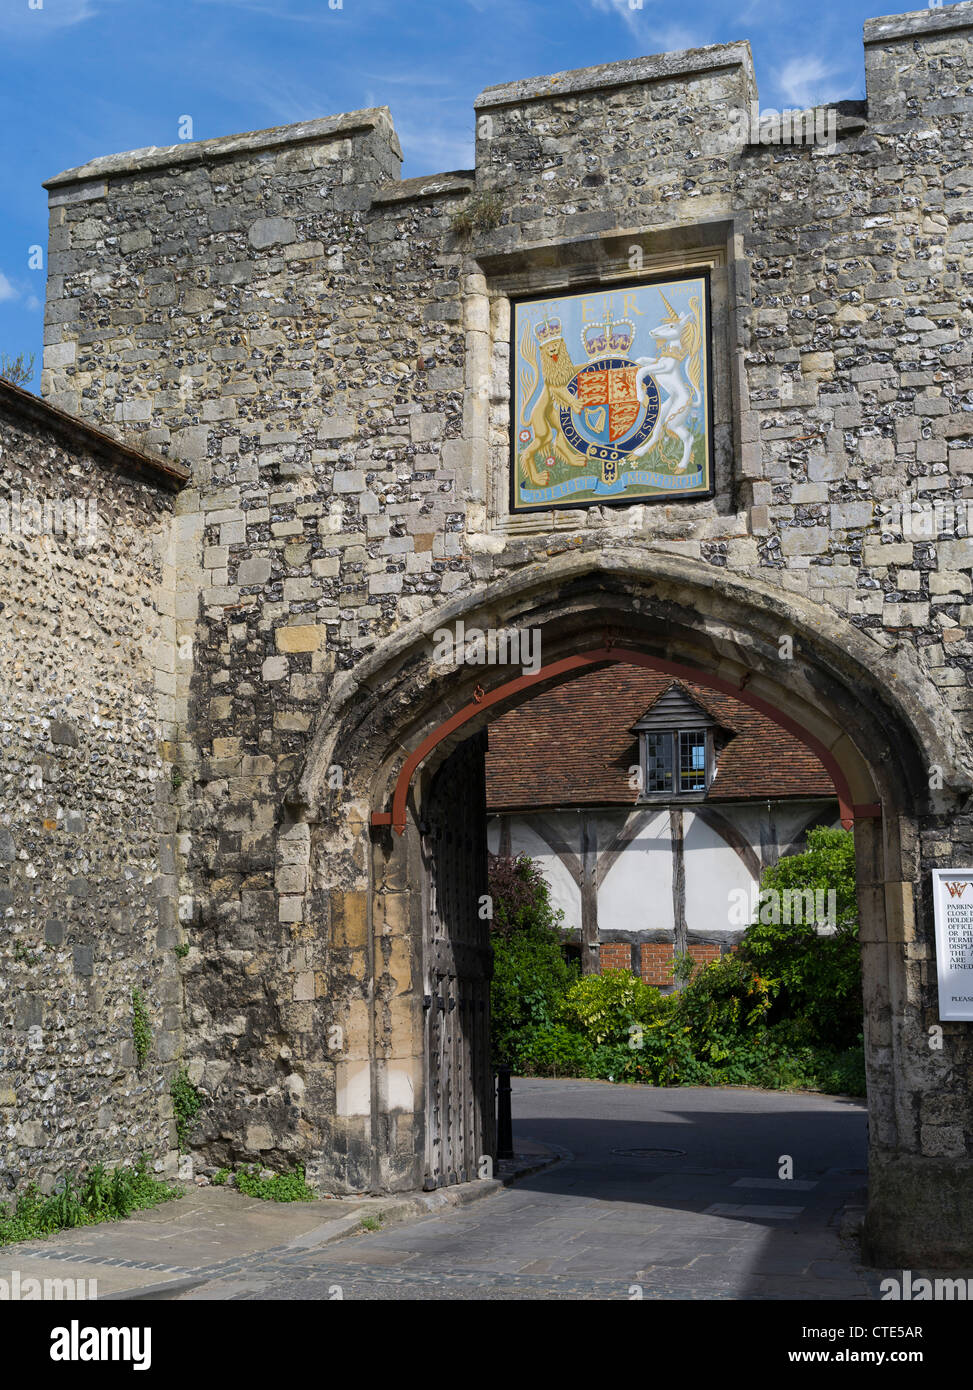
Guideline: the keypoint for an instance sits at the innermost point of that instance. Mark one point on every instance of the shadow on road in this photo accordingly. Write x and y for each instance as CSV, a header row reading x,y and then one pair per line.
x,y
698,1170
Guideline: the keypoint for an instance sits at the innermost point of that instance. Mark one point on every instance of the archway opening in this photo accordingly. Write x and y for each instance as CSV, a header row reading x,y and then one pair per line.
x,y
643,878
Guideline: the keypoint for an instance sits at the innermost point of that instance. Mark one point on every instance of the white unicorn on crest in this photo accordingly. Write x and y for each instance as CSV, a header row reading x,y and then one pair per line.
x,y
679,337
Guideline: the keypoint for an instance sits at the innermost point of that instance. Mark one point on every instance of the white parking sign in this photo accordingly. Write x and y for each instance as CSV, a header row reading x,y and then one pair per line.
x,y
953,905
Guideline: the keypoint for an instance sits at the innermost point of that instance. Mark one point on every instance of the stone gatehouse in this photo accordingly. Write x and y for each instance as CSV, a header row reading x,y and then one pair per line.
x,y
327,357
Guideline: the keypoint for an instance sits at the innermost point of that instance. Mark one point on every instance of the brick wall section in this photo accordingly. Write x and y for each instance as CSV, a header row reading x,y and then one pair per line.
x,y
615,955
703,953
657,958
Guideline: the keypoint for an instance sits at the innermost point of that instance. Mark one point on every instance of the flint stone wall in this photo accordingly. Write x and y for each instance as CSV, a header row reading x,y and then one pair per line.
x,y
87,911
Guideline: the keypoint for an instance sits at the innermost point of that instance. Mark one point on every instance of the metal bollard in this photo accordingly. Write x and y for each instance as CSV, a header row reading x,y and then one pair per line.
x,y
505,1136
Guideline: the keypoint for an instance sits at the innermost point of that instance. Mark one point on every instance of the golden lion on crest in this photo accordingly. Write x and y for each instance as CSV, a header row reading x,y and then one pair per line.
x,y
556,370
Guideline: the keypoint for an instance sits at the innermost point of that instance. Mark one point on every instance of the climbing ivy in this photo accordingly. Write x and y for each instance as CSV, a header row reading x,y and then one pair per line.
x,y
187,1103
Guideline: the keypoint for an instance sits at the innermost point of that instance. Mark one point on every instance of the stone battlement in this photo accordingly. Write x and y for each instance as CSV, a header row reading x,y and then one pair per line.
x,y
227,146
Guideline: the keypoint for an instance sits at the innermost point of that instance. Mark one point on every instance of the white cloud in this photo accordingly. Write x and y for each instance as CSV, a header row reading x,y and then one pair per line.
x,y
632,16
645,26
434,130
286,100
412,78
10,291
435,149
20,22
807,81
673,38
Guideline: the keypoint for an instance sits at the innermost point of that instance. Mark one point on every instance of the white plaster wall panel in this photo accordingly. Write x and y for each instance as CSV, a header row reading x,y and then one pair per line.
x,y
636,893
524,839
714,871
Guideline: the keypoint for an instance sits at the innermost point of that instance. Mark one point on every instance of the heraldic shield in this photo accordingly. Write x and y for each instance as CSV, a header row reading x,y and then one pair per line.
x,y
612,400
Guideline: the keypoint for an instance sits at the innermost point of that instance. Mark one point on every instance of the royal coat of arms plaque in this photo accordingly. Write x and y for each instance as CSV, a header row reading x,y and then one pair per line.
x,y
612,396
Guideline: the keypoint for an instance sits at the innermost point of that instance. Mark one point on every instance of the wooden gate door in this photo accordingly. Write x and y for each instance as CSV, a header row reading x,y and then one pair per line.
x,y
457,962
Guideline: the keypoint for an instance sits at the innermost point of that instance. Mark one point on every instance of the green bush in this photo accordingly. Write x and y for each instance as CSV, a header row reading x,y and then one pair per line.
x,y
281,1187
551,1049
613,1005
813,978
783,1012
521,897
141,1029
98,1195
186,1104
530,973
844,1073
530,980
719,1004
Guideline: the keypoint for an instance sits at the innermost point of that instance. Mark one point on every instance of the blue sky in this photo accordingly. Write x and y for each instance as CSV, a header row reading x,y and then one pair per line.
x,y
82,78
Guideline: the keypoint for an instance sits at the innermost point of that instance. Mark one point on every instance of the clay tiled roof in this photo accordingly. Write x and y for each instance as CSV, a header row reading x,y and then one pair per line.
x,y
574,746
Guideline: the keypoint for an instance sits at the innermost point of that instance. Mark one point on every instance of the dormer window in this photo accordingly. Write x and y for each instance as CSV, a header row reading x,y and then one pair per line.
x,y
676,738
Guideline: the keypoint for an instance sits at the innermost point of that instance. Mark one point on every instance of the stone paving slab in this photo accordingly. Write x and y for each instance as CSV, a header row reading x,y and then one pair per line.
x,y
211,1232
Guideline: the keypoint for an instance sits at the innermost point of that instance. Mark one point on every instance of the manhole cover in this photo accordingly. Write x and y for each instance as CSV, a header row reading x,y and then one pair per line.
x,y
649,1153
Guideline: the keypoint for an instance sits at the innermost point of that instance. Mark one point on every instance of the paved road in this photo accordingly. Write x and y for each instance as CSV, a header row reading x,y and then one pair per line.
x,y
660,1193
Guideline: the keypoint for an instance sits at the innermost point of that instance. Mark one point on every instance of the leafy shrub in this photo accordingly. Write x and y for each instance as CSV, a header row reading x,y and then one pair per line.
x,y
530,974
521,896
97,1196
281,1187
778,1014
186,1104
551,1049
844,1074
141,1028
719,1004
530,980
811,977
611,1005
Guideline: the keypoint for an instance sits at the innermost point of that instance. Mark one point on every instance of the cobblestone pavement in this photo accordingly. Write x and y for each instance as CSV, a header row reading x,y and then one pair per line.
x,y
659,1194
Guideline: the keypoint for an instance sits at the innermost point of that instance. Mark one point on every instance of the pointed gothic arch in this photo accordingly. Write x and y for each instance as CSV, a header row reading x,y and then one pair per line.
x,y
870,715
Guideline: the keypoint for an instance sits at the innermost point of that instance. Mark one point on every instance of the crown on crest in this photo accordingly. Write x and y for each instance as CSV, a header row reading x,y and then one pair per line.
x,y
604,339
547,330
